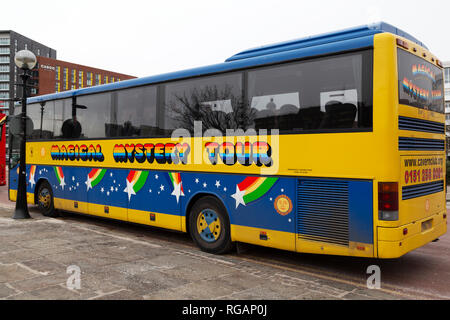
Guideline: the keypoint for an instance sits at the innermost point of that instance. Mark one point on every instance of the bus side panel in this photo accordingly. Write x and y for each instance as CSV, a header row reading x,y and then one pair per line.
x,y
69,188
13,177
105,193
153,197
361,213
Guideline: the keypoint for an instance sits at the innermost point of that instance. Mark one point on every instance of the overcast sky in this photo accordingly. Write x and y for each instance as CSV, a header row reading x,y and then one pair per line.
x,y
143,38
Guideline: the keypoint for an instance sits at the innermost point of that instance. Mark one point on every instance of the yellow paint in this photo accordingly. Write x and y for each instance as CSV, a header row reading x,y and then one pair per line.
x,y
166,221
354,249
275,239
394,244
13,196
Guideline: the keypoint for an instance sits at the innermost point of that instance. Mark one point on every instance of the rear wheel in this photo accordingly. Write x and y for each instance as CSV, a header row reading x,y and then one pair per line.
x,y
45,200
209,226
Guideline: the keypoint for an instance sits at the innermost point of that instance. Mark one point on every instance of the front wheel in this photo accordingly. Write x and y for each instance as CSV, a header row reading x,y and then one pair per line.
x,y
209,226
45,200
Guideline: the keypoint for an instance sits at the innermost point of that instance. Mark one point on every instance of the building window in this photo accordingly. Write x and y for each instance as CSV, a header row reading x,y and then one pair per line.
x,y
4,59
74,75
4,77
4,68
4,86
4,41
89,78
58,73
26,46
447,75
97,79
4,50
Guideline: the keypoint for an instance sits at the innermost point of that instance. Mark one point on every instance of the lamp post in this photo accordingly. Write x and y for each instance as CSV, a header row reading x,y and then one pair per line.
x,y
26,61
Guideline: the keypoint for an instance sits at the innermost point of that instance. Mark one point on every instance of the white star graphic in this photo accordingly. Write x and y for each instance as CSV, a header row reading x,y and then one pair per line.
x,y
162,188
177,192
204,185
196,180
129,190
156,176
239,197
62,184
88,183
217,184
32,180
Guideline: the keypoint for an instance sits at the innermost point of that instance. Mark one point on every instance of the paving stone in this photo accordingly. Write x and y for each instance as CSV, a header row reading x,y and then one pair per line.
x,y
55,292
6,291
12,272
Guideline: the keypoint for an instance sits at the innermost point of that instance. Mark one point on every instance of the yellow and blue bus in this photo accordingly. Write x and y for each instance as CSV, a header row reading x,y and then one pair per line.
x,y
331,144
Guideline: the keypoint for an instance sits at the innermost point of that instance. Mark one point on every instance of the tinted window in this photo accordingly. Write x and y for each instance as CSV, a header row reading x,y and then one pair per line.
x,y
52,114
420,84
215,101
134,113
320,94
95,118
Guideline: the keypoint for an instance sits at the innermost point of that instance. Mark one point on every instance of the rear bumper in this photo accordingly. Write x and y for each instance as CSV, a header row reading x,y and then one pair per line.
x,y
392,243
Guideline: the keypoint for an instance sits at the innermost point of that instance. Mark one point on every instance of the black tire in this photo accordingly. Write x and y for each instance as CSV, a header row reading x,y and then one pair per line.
x,y
45,200
214,236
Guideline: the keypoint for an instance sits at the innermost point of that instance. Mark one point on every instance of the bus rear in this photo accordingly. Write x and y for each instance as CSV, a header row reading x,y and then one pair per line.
x,y
412,210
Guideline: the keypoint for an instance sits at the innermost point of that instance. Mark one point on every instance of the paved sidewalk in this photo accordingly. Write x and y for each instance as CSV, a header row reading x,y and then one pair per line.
x,y
123,261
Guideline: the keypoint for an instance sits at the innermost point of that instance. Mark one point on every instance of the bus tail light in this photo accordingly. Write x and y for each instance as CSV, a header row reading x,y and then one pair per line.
x,y
388,201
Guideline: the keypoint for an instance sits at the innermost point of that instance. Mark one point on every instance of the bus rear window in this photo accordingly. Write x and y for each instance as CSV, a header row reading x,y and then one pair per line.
x,y
420,84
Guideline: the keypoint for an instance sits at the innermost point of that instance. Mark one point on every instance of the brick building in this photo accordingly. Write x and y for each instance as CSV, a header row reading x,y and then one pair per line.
x,y
55,76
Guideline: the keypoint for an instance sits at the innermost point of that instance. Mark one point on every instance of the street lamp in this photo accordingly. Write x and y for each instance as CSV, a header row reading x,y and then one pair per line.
x,y
26,61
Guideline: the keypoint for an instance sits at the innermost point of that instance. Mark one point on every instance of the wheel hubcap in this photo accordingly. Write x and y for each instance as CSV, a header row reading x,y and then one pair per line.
x,y
208,225
45,199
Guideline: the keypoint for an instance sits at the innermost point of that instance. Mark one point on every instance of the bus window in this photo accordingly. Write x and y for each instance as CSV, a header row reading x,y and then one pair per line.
x,y
134,113
420,83
320,94
97,115
215,101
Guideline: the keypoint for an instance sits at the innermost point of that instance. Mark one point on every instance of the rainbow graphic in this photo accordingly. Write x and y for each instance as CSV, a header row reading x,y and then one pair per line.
x,y
32,175
94,177
60,176
251,189
135,181
175,178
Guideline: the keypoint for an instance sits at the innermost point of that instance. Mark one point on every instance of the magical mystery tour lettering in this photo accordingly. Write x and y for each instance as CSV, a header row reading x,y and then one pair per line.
x,y
76,152
244,153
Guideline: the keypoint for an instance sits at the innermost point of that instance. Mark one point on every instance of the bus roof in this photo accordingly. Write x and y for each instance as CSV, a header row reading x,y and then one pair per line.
x,y
336,36
344,40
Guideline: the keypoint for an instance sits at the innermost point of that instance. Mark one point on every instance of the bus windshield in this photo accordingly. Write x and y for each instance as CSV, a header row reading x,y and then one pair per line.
x,y
420,83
